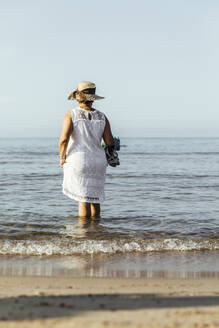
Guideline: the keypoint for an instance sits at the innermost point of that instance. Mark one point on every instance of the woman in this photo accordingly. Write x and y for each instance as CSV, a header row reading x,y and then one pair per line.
x,y
81,155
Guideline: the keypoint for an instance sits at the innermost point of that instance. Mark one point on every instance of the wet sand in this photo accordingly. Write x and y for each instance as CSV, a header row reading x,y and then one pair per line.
x,y
105,302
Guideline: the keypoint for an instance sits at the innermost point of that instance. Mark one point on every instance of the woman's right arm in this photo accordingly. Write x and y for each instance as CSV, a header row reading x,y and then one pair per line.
x,y
67,128
107,134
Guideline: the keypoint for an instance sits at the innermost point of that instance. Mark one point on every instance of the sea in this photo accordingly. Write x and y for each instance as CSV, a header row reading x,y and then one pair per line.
x,y
160,217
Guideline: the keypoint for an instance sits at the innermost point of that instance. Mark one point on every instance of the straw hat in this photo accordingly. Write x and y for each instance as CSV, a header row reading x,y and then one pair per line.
x,y
85,92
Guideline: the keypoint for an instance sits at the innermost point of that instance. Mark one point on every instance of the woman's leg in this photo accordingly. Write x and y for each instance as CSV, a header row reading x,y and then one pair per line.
x,y
95,210
84,209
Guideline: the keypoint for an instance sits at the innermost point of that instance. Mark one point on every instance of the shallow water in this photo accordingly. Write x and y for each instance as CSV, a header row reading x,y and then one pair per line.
x,y
163,197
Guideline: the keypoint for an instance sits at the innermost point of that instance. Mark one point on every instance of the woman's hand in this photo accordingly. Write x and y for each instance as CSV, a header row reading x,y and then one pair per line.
x,y
62,161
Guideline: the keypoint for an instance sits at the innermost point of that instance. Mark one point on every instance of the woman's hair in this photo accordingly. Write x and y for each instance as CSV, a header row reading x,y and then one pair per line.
x,y
85,92
79,96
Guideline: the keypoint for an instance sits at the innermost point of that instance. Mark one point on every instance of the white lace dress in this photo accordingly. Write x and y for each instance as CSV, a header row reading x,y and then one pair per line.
x,y
85,167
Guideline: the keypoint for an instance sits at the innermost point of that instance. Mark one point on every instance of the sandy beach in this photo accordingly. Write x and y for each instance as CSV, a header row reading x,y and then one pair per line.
x,y
105,302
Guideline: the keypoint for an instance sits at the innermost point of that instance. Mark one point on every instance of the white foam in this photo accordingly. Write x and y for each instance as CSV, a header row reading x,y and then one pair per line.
x,y
68,247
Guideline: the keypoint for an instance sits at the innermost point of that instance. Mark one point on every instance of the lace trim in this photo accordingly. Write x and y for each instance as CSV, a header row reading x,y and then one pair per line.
x,y
85,198
79,114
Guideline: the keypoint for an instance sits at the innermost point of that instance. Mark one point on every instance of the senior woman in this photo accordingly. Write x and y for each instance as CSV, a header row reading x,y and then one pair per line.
x,y
81,155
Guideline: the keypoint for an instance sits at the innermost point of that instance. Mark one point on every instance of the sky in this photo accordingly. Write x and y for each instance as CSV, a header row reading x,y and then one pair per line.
x,y
156,62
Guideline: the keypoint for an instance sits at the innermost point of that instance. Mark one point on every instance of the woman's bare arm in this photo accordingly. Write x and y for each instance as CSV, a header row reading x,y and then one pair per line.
x,y
67,128
107,135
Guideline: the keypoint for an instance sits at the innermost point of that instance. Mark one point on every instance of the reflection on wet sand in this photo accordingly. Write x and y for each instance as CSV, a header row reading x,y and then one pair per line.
x,y
158,265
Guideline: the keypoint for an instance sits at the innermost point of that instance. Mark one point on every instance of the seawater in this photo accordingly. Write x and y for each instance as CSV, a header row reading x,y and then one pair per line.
x,y
162,198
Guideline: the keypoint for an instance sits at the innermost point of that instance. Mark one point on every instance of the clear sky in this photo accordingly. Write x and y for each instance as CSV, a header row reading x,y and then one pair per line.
x,y
156,62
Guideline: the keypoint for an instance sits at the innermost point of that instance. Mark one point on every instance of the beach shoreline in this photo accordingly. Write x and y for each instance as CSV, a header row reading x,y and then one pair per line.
x,y
108,302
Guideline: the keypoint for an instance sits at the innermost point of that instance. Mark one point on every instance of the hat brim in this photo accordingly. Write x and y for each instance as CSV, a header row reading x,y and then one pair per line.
x,y
93,97
89,97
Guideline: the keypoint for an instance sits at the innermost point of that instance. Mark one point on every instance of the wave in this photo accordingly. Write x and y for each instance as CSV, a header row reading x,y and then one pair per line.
x,y
165,153
25,152
66,246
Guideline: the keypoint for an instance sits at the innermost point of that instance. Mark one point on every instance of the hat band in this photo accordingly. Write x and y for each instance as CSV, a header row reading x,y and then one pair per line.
x,y
89,91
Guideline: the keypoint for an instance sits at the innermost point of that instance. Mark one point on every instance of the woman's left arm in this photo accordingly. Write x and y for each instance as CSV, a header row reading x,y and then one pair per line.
x,y
67,128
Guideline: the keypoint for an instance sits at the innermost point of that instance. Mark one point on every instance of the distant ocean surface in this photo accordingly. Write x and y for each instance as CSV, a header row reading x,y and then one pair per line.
x,y
163,197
